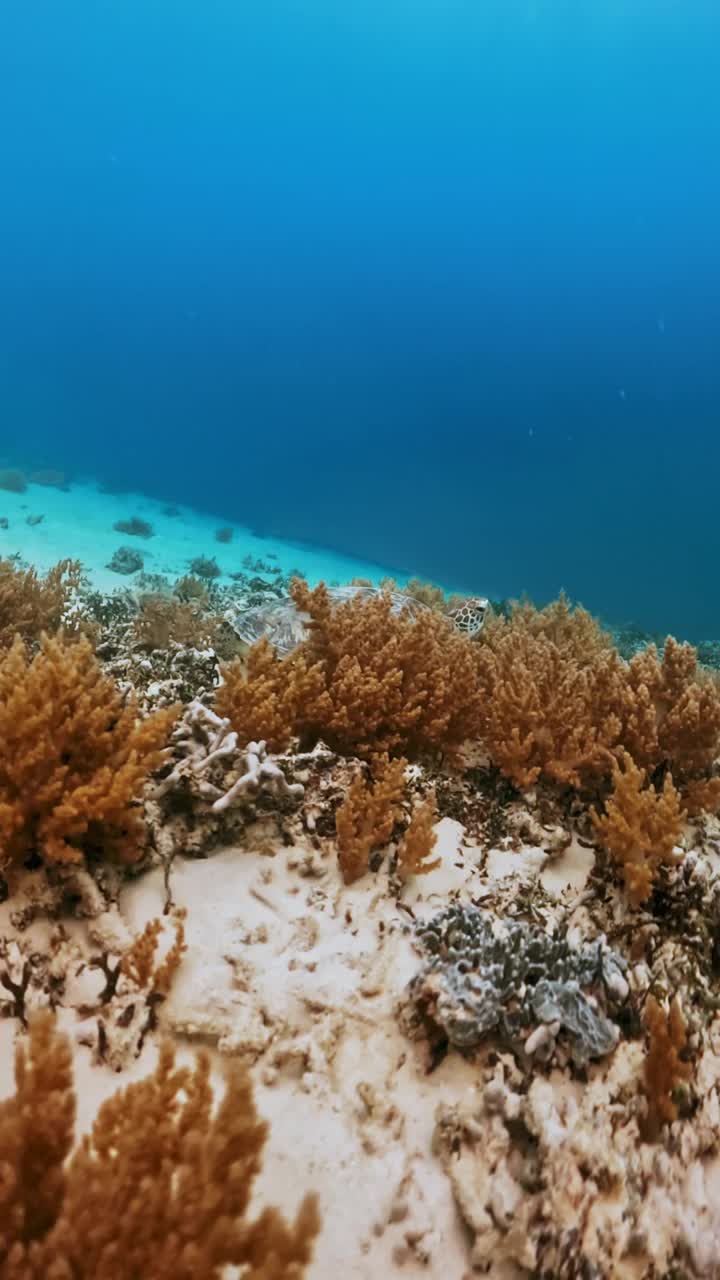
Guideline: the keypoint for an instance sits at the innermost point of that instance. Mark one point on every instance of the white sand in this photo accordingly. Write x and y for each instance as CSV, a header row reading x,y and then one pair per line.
x,y
79,523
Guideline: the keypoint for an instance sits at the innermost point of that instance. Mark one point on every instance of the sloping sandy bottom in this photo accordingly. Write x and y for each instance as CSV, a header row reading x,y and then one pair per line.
x,y
79,523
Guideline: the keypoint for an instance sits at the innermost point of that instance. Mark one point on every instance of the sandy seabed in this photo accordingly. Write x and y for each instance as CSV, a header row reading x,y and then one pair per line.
x,y
78,523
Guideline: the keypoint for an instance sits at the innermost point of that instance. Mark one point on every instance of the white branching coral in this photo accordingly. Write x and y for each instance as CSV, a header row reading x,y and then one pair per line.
x,y
207,745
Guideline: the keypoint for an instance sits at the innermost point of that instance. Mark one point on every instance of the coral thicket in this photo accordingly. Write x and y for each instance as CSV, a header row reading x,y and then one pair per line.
x,y
664,1069
163,621
366,818
74,758
640,827
560,704
160,1189
30,604
366,680
416,847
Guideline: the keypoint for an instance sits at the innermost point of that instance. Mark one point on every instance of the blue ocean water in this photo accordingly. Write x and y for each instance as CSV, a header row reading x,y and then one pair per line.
x,y
434,283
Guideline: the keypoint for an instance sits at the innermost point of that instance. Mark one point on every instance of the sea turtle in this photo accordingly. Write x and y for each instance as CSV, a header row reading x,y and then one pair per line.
x,y
469,617
285,626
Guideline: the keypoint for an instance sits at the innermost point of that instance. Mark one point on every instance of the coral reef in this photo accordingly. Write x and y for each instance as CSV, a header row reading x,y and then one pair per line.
x,y
192,589
224,535
683,734
163,621
416,847
30,604
424,592
664,1068
126,560
367,680
559,703
510,978
366,818
12,480
215,787
204,741
161,1187
549,695
137,527
73,758
640,827
552,947
261,697
204,567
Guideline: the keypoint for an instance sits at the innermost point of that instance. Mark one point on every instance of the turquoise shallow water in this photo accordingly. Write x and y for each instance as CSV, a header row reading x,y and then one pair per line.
x,y
79,523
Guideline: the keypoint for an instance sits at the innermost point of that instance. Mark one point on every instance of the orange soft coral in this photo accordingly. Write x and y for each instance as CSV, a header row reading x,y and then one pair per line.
x,y
664,1069
560,704
418,843
545,713
264,696
30,604
367,680
684,731
160,1188
640,827
367,815
73,758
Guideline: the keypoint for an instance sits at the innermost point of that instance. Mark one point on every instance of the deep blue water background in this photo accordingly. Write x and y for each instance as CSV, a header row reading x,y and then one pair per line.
x,y
435,282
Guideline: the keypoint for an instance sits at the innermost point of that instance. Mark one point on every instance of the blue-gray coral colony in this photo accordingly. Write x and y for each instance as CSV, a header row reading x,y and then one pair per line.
x,y
485,975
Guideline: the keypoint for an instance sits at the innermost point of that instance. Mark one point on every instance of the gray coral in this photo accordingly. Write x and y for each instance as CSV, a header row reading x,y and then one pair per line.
x,y
486,975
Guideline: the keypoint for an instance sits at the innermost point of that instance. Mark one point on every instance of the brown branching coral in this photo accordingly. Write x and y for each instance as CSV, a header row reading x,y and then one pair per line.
x,y
418,843
264,696
192,590
160,1188
163,621
544,714
424,592
640,827
36,1133
365,819
30,604
570,629
138,964
663,1069
559,703
367,680
684,732
73,758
